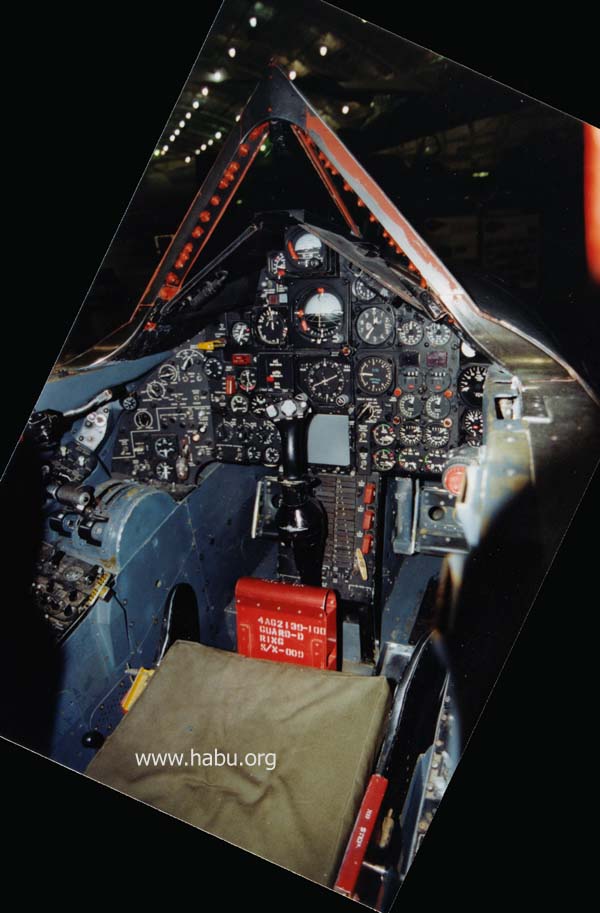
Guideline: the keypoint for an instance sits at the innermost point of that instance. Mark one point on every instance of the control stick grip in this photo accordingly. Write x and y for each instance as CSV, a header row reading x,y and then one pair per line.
x,y
291,418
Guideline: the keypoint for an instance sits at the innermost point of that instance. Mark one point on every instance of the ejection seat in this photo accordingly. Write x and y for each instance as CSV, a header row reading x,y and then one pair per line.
x,y
318,732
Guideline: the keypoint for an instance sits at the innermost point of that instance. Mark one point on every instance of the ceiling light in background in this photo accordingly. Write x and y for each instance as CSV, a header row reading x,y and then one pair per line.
x,y
218,134
210,142
253,22
182,123
195,103
165,148
203,147
177,132
231,52
172,137
238,118
196,152
188,159
292,74
204,91
323,50
188,114
345,109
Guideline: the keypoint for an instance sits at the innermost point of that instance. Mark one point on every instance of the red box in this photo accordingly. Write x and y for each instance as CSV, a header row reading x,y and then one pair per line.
x,y
285,622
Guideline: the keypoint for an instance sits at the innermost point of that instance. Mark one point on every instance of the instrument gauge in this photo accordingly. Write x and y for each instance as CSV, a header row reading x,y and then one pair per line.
x,y
164,471
437,406
305,251
189,357
239,404
436,435
384,459
143,420
213,368
363,290
410,433
470,384
375,326
438,334
375,375
168,374
384,434
271,327
320,316
410,332
472,425
253,454
408,460
438,381
247,380
240,333
271,456
165,446
268,434
325,380
259,404
129,402
278,264
409,405
434,461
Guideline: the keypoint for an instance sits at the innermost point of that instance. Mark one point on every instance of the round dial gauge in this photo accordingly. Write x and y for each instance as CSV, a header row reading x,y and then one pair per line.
x,y
438,334
410,433
142,420
305,251
278,263
436,435
408,460
165,446
271,456
384,459
271,327
472,425
320,316
73,573
325,380
363,289
227,431
410,332
384,434
188,358
213,367
164,471
240,333
259,404
253,454
409,405
438,381
437,406
168,373
129,402
375,375
410,380
156,389
375,326
470,384
247,380
434,461
239,404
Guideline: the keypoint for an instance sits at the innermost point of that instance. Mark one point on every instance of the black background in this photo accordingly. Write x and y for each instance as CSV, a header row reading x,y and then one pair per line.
x,y
89,99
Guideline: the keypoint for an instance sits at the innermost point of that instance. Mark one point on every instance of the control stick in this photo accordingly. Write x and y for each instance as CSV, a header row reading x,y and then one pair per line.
x,y
301,518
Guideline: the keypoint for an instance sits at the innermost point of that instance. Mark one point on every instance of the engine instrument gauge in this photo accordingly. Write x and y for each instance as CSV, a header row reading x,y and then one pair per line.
x,y
271,327
240,333
259,404
384,434
472,425
143,420
437,406
375,326
271,456
436,435
438,334
410,332
188,358
325,380
156,389
213,367
375,375
239,404
320,316
408,460
470,384
434,461
409,405
247,380
384,459
410,433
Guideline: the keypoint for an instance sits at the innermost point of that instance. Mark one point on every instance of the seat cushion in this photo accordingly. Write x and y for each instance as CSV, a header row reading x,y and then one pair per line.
x,y
324,729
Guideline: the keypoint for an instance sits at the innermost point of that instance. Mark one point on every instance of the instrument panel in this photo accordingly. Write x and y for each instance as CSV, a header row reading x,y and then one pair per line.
x,y
391,391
